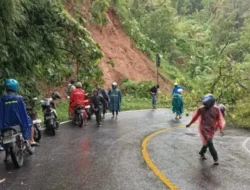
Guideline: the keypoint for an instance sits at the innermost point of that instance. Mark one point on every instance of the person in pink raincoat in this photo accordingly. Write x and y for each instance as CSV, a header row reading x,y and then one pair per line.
x,y
210,120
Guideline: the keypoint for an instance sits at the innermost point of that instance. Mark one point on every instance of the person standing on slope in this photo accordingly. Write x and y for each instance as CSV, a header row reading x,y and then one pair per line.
x,y
210,119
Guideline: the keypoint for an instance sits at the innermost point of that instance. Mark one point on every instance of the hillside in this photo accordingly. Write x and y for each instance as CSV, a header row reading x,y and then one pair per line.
x,y
118,49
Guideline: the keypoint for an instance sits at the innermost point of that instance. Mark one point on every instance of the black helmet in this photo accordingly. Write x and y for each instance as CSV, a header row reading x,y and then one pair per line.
x,y
208,100
72,82
55,95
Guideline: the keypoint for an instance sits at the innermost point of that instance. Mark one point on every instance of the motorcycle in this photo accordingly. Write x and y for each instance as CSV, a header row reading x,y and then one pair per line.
x,y
36,122
88,106
15,145
79,115
49,112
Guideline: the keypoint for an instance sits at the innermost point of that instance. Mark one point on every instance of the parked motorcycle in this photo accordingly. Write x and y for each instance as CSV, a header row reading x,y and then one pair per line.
x,y
49,112
36,122
15,145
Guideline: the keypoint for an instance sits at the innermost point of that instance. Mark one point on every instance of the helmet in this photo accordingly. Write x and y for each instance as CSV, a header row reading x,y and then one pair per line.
x,y
78,85
176,83
114,84
208,100
11,85
56,95
180,90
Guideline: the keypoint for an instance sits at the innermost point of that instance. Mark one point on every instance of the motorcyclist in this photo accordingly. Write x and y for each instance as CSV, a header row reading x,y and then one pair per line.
x,y
77,97
13,111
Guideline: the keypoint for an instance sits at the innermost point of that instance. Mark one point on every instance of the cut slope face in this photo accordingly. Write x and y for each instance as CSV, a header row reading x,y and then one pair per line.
x,y
117,47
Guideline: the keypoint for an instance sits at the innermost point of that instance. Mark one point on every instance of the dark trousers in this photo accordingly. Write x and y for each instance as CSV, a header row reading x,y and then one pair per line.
x,y
98,117
104,109
212,150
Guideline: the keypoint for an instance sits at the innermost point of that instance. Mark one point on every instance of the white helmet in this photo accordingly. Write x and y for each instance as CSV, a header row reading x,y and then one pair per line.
x,y
78,85
114,84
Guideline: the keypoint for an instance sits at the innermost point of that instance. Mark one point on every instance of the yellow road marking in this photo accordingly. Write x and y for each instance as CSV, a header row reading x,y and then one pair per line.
x,y
149,162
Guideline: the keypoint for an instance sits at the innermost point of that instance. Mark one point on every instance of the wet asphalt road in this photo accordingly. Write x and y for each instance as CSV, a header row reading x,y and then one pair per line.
x,y
109,158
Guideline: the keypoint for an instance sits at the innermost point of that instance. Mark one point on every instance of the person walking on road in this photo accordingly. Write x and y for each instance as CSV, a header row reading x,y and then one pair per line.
x,y
98,103
102,92
115,100
177,103
210,119
153,92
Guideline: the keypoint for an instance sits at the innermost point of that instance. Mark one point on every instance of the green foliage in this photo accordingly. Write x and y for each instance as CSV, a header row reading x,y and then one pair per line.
x,y
40,40
205,44
98,11
136,89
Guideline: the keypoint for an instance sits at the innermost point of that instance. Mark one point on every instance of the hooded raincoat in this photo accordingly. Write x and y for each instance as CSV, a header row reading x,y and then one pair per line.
x,y
210,120
13,112
177,104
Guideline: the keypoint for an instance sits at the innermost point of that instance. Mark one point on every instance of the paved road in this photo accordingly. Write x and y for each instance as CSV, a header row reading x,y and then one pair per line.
x,y
109,158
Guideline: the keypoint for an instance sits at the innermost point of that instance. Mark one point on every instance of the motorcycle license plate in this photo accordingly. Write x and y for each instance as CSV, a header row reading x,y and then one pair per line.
x,y
10,139
88,106
50,117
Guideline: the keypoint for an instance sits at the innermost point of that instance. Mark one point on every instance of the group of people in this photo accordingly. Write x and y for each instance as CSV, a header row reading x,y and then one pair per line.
x,y
100,100
177,101
210,117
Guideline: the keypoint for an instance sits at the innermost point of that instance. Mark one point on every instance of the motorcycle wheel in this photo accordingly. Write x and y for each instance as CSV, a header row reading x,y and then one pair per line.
x,y
52,130
37,133
16,156
80,120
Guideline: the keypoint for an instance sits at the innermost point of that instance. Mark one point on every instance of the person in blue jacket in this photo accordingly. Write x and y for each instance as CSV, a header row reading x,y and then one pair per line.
x,y
13,110
176,87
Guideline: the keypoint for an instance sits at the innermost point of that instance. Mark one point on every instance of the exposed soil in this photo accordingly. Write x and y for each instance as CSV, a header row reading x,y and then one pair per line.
x,y
118,48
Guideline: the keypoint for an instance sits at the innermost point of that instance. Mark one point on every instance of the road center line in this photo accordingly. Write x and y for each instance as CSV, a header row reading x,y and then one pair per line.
x,y
149,162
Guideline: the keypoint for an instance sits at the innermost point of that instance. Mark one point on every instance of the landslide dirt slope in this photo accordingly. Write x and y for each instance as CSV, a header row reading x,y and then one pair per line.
x,y
118,47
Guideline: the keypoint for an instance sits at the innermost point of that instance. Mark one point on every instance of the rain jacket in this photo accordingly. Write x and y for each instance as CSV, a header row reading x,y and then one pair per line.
x,y
210,120
77,97
115,99
13,112
177,104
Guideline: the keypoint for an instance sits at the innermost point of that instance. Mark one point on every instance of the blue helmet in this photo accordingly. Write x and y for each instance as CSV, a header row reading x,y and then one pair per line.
x,y
11,85
208,100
